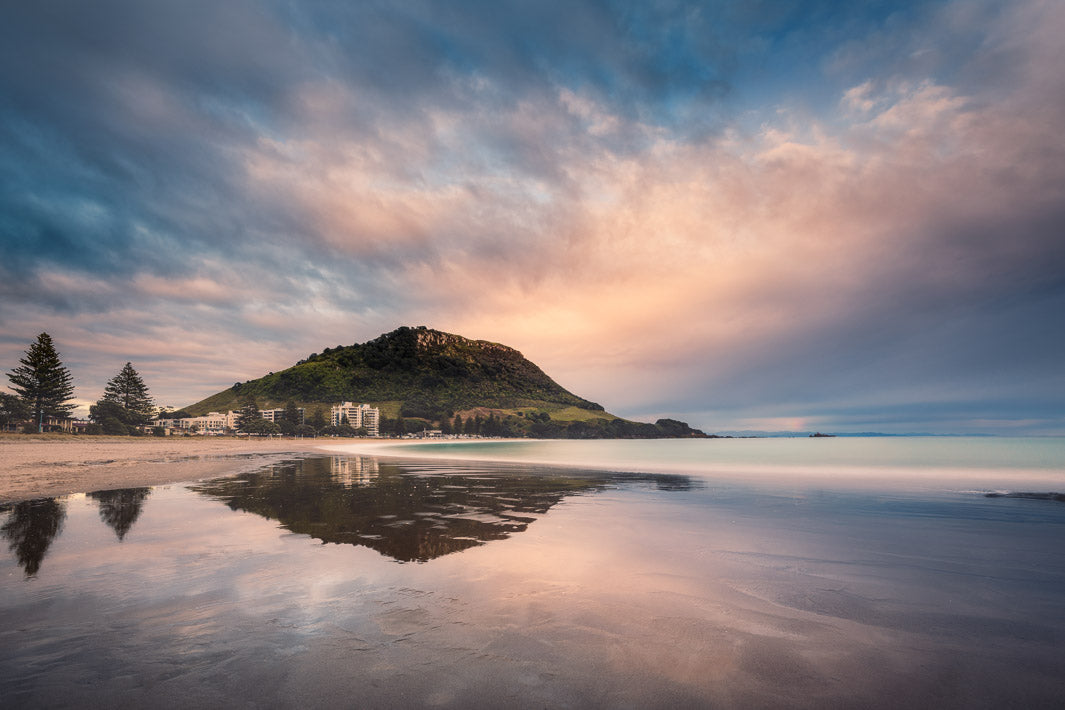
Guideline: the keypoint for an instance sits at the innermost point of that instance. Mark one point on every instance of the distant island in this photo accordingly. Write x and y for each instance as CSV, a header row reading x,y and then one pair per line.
x,y
424,379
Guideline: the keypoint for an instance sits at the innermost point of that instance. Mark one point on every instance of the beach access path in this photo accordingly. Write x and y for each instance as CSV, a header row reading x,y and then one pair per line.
x,y
40,466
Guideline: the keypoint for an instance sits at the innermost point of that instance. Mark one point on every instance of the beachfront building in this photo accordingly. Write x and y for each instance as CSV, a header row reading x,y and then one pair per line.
x,y
64,424
210,424
358,416
215,423
277,415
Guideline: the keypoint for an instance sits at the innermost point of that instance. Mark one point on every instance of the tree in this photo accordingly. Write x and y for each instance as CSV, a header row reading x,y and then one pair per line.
x,y
173,414
338,430
128,391
42,382
292,414
12,410
112,417
317,419
394,427
249,417
260,427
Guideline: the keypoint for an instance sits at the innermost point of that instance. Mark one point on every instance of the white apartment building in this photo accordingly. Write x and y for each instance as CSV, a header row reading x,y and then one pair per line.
x,y
212,423
358,416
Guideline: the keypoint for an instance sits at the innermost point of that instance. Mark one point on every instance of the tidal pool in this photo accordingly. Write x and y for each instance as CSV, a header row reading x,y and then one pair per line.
x,y
353,581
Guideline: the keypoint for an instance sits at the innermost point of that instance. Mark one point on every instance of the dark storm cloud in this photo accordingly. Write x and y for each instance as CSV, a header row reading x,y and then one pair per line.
x,y
123,119
120,120
835,200
125,124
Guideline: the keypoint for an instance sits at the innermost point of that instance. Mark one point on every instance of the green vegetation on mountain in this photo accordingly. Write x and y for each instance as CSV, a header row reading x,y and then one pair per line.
x,y
438,380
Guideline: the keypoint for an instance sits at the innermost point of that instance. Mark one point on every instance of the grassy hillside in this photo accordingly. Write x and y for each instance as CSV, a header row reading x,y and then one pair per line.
x,y
424,374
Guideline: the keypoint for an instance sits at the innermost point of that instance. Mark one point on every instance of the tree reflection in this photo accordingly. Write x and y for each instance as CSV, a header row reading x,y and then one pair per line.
x,y
30,529
121,508
409,513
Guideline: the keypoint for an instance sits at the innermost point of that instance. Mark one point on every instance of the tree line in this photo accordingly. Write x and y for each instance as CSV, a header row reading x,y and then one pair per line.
x,y
44,389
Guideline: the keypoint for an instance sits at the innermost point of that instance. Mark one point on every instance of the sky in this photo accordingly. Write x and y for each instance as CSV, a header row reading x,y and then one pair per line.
x,y
769,215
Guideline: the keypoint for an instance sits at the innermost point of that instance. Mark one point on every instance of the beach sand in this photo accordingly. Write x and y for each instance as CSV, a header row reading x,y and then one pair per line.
x,y
53,465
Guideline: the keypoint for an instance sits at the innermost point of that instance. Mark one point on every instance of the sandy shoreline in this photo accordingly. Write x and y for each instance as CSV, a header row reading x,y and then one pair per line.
x,y
46,466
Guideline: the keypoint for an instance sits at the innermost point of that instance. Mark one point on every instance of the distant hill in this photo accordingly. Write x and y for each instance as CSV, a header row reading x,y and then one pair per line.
x,y
428,375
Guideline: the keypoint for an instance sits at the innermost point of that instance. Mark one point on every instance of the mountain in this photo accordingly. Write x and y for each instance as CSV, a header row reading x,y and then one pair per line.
x,y
420,373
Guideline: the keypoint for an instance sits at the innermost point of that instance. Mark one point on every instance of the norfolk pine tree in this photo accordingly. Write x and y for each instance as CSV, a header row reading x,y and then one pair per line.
x,y
127,390
248,417
43,383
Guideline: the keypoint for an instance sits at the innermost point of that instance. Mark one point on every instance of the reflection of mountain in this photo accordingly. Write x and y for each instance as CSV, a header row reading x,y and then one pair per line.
x,y
409,513
30,529
121,508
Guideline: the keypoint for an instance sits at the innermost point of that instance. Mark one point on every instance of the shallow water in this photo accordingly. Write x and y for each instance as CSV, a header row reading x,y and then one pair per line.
x,y
912,463
348,580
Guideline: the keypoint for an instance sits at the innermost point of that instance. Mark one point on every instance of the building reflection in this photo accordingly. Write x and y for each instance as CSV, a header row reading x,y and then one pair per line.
x,y
411,513
121,508
31,528
352,471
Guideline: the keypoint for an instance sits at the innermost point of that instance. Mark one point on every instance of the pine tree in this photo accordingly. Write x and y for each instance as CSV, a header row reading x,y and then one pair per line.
x,y
42,382
292,414
249,416
127,390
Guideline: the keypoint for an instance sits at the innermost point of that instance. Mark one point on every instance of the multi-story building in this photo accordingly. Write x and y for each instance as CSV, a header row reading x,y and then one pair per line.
x,y
358,416
219,423
276,415
212,423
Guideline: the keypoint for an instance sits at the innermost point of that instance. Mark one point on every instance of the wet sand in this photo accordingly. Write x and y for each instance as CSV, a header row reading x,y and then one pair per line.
x,y
52,465
346,580
336,579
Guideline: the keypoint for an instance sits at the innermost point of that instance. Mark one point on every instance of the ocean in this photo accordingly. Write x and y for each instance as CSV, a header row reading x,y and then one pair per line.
x,y
811,573
914,463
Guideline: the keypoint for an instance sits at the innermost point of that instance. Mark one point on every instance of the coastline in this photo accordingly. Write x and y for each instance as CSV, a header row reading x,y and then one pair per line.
x,y
43,466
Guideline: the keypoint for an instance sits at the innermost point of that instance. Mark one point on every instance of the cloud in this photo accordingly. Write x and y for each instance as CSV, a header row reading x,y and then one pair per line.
x,y
218,191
